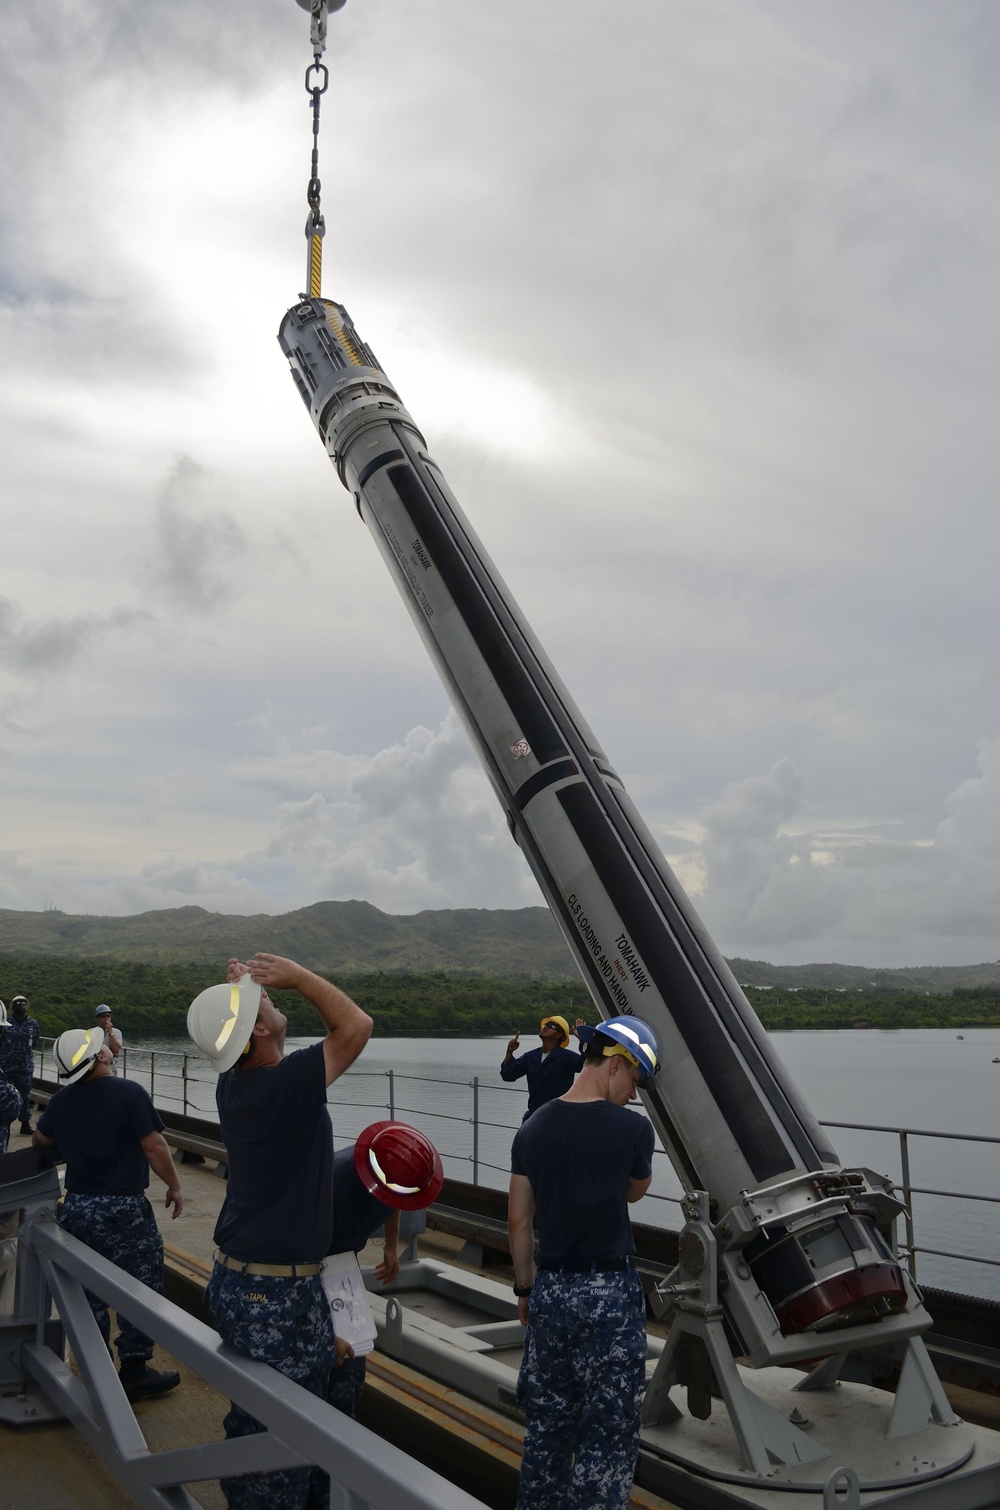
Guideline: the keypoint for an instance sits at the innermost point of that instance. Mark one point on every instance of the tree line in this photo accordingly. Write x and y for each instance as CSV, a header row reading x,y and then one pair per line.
x,y
152,1000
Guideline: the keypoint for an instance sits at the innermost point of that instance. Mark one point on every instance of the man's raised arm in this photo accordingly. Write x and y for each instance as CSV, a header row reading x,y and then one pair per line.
x,y
348,1029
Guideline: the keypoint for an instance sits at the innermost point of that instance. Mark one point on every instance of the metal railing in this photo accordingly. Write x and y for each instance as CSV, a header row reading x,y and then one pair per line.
x,y
179,1076
908,1190
299,1429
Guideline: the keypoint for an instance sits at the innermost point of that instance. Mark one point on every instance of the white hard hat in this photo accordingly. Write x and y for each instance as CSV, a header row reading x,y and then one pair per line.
x,y
221,1020
3,1016
76,1052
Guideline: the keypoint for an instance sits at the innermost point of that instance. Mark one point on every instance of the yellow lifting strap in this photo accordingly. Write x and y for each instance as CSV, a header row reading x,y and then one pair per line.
x,y
317,82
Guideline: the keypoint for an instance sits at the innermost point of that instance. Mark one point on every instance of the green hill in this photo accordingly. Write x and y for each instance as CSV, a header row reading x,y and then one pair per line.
x,y
329,936
355,938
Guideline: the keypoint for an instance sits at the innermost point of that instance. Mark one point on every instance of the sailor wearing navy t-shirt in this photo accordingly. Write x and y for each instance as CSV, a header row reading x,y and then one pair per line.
x,y
391,1168
550,1070
266,1295
109,1133
577,1163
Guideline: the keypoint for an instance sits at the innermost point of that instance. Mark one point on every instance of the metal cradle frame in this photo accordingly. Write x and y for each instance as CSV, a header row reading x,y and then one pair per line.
x,y
366,1472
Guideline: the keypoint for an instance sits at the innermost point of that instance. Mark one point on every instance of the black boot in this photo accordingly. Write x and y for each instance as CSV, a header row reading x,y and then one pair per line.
x,y
26,1129
138,1379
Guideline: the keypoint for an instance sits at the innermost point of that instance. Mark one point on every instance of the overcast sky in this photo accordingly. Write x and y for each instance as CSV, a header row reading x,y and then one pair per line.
x,y
696,303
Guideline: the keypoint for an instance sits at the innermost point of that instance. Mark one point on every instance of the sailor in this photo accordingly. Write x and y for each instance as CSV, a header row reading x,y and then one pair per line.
x,y
577,1163
550,1069
17,1054
112,1036
109,1133
391,1168
10,1096
266,1295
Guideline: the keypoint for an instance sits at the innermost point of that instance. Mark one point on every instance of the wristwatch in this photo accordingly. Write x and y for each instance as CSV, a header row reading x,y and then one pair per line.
x,y
521,1290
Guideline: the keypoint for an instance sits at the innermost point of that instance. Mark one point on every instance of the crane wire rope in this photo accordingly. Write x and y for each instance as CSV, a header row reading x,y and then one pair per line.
x,y
317,82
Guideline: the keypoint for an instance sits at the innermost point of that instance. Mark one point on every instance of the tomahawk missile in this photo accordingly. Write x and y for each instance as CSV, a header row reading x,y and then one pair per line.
x,y
725,1108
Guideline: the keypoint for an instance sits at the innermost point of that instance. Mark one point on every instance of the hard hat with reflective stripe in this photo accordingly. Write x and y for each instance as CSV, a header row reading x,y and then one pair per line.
x,y
76,1052
3,1016
630,1037
398,1164
221,1020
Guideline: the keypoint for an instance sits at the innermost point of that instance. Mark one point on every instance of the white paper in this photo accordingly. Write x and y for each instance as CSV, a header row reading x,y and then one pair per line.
x,y
345,1289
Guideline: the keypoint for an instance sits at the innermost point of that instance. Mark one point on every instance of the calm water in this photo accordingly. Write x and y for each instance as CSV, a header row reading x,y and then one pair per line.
x,y
929,1079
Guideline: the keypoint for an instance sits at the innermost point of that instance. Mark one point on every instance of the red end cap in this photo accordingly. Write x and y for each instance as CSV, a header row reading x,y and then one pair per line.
x,y
845,1300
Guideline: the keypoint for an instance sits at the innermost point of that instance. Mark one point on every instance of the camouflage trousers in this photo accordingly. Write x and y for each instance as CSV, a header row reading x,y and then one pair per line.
x,y
346,1385
14,1090
580,1386
22,1080
122,1229
284,1322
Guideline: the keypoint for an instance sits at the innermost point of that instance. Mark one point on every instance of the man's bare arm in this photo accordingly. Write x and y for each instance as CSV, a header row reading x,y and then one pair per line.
x,y
637,1189
387,1270
348,1029
39,1140
154,1146
520,1211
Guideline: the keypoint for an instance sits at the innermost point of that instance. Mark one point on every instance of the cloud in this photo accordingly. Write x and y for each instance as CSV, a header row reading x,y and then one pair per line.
x,y
199,550
35,651
776,885
696,307
413,826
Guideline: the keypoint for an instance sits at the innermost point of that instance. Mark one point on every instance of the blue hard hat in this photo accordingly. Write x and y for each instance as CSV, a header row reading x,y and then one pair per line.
x,y
632,1038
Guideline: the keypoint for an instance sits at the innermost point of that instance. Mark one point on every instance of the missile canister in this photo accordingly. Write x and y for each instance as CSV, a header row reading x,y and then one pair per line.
x,y
723,1105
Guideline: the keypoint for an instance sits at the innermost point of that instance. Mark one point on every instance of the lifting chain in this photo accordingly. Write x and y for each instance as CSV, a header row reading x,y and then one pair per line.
x,y
317,81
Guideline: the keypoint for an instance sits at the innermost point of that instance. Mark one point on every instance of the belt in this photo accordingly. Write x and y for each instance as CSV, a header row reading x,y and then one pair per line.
x,y
268,1271
596,1266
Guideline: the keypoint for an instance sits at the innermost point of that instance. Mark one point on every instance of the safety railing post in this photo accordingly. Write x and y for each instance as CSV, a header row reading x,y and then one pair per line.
x,y
184,1084
475,1130
392,1096
152,1073
124,1063
904,1165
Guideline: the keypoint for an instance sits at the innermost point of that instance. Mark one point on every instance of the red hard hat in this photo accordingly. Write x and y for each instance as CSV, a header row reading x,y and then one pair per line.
x,y
399,1165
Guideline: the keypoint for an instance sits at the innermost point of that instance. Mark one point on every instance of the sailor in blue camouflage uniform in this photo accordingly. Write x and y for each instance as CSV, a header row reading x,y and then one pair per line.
x,y
391,1168
17,1054
576,1163
266,1292
109,1133
10,1096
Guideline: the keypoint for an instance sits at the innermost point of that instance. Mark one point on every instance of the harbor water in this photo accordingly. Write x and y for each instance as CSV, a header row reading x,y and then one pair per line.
x,y
931,1080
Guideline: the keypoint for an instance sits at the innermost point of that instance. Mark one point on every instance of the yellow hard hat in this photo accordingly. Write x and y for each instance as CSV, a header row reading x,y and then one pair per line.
x,y
561,1024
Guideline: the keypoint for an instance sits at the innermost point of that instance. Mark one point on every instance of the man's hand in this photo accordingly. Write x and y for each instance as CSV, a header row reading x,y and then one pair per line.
x,y
274,970
515,1044
154,1146
523,1309
344,1350
386,1271
236,971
